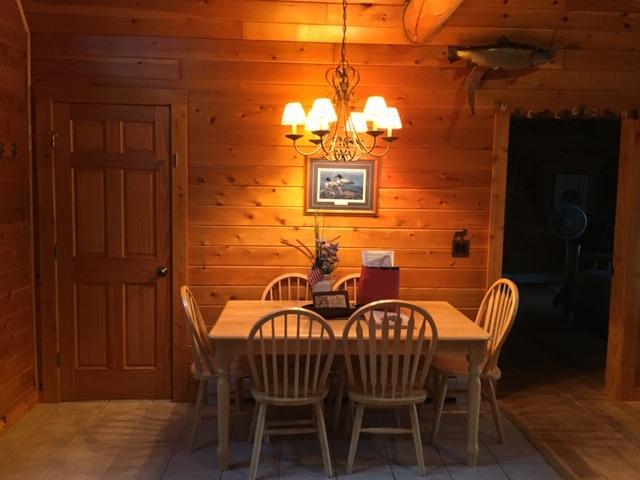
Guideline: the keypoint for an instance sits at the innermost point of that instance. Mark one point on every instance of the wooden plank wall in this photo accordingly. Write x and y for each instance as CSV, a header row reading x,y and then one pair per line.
x,y
17,385
241,61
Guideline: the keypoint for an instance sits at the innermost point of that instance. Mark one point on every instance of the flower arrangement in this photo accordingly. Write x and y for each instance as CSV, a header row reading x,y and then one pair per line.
x,y
325,259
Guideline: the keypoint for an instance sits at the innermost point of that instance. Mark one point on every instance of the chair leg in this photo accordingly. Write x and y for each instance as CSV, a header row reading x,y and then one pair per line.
x,y
494,409
197,413
338,405
417,440
351,408
441,393
239,393
355,435
252,425
257,441
324,442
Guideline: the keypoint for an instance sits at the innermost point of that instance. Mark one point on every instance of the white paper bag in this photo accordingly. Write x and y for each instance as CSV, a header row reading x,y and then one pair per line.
x,y
377,258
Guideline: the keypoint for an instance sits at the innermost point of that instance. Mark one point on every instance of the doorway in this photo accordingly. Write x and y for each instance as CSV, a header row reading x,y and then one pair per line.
x,y
111,244
558,244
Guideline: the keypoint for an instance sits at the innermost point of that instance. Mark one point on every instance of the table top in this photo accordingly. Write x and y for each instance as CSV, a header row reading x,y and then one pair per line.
x,y
239,316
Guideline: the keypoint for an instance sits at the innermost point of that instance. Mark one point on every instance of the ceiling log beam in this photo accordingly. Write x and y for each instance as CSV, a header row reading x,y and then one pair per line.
x,y
422,19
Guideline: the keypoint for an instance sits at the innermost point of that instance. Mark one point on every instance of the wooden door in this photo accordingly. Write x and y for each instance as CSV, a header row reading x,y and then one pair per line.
x,y
112,179
623,353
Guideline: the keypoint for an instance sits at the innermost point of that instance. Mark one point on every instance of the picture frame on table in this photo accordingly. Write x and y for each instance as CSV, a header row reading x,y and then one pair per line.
x,y
341,188
338,299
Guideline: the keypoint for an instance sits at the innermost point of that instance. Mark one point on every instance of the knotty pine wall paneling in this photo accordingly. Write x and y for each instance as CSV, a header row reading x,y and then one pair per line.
x,y
242,61
17,366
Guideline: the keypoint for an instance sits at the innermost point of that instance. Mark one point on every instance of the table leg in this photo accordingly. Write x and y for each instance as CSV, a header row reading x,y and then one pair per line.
x,y
223,359
476,357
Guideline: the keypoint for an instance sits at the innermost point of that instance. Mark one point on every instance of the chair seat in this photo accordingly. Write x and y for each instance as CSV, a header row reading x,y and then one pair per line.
x,y
289,400
239,368
412,397
458,366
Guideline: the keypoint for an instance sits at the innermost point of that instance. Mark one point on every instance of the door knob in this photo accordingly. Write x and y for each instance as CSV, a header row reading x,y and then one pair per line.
x,y
162,271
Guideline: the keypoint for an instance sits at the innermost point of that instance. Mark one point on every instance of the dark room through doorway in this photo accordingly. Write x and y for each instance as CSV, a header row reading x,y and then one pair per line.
x,y
558,247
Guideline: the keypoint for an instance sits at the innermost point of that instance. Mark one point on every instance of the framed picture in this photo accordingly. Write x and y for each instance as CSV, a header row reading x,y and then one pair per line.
x,y
570,189
331,299
341,188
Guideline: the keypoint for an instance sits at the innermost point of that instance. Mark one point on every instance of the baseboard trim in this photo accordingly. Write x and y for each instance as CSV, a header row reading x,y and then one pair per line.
x,y
19,409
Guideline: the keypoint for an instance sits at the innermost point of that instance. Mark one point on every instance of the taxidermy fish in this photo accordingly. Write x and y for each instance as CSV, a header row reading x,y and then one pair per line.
x,y
504,55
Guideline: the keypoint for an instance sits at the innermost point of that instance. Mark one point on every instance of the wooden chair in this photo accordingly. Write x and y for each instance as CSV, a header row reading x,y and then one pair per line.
x,y
394,344
203,367
290,286
291,370
496,315
350,284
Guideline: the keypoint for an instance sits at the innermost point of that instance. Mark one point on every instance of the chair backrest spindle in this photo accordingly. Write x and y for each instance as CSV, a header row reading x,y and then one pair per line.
x,y
394,344
349,283
202,347
496,315
290,286
290,353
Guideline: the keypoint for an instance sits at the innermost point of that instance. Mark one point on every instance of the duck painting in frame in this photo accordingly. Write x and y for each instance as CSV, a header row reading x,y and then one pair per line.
x,y
341,188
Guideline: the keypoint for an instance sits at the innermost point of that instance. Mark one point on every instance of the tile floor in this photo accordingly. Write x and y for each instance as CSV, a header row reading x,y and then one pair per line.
x,y
148,440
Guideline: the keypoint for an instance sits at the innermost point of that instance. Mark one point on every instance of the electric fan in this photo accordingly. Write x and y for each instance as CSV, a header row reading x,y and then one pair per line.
x,y
568,223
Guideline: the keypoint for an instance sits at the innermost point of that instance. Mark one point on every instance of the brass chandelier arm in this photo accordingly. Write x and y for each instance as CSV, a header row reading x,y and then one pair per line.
x,y
302,152
371,150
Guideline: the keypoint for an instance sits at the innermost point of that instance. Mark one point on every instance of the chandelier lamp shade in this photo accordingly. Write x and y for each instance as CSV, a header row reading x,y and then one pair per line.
x,y
337,131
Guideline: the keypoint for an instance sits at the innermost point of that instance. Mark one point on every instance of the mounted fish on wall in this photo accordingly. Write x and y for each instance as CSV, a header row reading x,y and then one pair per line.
x,y
504,55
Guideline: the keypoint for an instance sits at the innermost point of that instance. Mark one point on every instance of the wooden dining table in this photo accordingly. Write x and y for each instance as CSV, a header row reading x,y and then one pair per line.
x,y
456,335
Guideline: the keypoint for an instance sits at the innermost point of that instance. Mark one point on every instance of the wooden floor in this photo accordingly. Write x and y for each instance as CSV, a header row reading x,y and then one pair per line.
x,y
553,391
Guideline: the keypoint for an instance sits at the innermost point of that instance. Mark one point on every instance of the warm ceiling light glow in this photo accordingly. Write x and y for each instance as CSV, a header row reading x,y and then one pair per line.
x,y
323,108
357,123
314,122
391,121
293,114
338,133
375,110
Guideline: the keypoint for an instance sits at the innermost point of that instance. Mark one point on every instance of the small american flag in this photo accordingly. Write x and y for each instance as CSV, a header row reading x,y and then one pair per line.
x,y
315,275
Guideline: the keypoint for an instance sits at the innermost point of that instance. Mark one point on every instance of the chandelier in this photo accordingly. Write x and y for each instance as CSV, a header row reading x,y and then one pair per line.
x,y
337,131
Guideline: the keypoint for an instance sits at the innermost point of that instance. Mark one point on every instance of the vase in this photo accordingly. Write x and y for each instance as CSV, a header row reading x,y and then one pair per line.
x,y
325,285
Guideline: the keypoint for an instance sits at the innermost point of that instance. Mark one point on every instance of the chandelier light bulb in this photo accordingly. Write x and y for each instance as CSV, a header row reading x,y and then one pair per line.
x,y
357,123
375,110
323,108
391,120
314,122
293,115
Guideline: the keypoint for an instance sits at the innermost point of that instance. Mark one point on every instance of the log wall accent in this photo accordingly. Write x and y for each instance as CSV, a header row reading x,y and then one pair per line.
x,y
241,61
17,367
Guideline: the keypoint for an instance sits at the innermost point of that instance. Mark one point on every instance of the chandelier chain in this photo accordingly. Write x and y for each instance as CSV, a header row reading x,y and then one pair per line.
x,y
343,51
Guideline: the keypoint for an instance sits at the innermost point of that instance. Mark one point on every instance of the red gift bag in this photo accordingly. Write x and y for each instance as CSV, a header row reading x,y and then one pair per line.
x,y
378,283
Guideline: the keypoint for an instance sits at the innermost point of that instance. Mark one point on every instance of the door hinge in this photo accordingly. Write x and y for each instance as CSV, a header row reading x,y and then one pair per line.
x,y
58,359
55,252
53,135
174,159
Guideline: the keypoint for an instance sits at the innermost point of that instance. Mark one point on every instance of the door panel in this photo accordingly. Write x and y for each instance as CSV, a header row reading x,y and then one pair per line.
x,y
139,325
91,302
112,204
89,201
139,217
